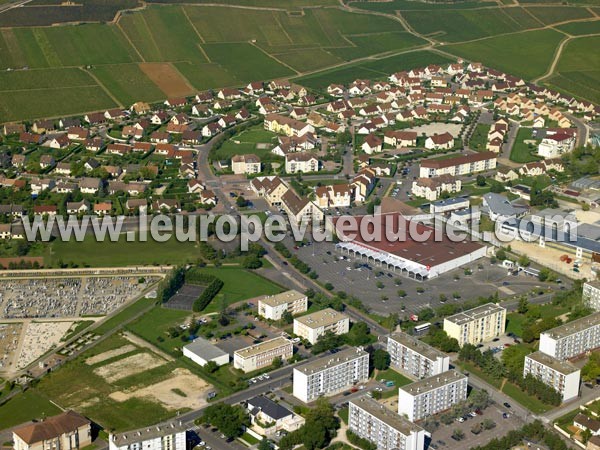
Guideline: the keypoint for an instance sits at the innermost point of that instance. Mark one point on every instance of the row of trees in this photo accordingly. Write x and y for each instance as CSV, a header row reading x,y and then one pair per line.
x,y
320,427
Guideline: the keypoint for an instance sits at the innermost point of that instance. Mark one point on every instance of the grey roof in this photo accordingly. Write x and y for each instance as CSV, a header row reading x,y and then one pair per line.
x,y
418,346
476,313
147,433
204,349
575,326
450,201
268,407
387,416
331,360
434,382
563,367
498,204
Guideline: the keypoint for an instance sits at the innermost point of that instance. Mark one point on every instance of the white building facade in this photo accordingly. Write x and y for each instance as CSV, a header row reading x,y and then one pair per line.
x,y
572,338
563,376
312,326
274,306
262,355
414,357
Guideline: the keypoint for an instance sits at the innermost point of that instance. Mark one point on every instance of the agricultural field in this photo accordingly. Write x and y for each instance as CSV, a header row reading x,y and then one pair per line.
x,y
556,14
578,70
377,43
580,28
464,24
508,53
284,4
380,68
128,83
392,6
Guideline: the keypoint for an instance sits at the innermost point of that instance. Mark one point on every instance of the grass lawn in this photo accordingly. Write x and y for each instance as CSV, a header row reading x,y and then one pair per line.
x,y
391,375
122,253
247,437
522,152
515,323
467,366
24,407
531,403
479,137
155,323
239,284
343,413
126,314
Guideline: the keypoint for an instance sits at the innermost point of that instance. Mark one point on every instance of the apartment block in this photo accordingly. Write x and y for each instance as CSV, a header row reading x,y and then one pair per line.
x,y
273,306
158,437
262,355
460,165
414,357
480,324
312,326
591,294
572,338
432,395
383,427
331,374
561,375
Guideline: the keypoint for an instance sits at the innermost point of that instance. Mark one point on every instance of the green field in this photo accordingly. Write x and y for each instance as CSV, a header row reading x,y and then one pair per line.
x,y
124,315
239,284
579,28
122,253
579,69
556,14
508,53
521,152
380,68
24,407
128,83
407,5
464,24
155,323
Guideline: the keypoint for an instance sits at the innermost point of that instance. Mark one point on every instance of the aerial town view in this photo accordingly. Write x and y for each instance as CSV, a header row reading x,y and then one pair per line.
x,y
299,224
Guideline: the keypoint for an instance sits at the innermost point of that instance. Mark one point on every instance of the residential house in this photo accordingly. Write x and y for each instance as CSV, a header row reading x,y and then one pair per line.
x,y
301,162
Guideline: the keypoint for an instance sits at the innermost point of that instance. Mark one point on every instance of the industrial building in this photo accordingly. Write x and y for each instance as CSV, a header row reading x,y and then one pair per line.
x,y
201,352
408,248
383,427
415,358
477,325
432,395
331,374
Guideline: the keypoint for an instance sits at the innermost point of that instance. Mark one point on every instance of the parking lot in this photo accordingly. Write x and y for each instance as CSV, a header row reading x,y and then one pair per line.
x,y
442,437
378,287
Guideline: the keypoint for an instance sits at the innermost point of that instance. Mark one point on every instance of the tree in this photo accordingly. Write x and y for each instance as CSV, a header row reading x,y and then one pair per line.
x,y
524,261
287,317
359,334
523,305
458,434
591,370
230,420
480,180
265,444
277,363
241,202
252,262
381,359
401,293
488,424
480,399
211,367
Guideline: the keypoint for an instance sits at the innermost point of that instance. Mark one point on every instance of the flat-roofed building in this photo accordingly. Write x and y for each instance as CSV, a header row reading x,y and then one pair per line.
x,y
480,324
274,306
572,338
331,374
262,355
591,294
561,375
171,436
312,326
67,430
414,357
383,427
432,395
201,352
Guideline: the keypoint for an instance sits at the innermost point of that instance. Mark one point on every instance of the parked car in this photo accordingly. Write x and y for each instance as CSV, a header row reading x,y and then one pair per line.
x,y
506,405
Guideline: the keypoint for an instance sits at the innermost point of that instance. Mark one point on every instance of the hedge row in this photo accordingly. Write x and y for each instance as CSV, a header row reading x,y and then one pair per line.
x,y
212,289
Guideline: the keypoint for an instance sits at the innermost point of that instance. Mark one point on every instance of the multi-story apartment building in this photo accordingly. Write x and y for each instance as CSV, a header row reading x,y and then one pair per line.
x,y
461,165
591,294
159,437
480,324
383,427
273,306
301,162
572,338
312,326
561,375
242,164
432,395
262,355
286,125
414,357
330,374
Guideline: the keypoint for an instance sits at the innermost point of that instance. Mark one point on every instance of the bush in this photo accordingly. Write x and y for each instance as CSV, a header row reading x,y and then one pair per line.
x,y
211,290
355,439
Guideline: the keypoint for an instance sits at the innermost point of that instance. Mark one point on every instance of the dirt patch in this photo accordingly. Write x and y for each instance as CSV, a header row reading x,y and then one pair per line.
x,y
110,354
128,366
168,392
167,79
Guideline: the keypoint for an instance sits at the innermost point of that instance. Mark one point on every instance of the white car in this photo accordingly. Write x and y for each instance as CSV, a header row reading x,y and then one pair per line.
x,y
202,443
